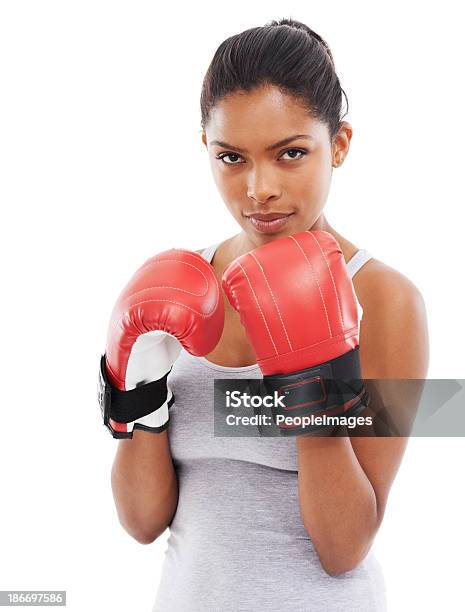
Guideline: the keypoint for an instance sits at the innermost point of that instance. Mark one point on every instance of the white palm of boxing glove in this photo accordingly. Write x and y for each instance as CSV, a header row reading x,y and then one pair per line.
x,y
152,358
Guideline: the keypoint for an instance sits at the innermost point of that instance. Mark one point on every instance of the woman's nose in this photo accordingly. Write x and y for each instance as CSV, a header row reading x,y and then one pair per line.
x,y
262,186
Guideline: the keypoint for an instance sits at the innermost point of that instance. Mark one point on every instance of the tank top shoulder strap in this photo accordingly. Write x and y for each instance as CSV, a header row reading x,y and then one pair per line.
x,y
210,251
357,261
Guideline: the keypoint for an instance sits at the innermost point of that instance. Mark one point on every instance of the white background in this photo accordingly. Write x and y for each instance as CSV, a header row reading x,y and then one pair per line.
x,y
102,166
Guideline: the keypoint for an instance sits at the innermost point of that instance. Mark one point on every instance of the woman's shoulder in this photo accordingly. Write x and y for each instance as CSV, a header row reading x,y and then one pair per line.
x,y
379,283
394,331
375,282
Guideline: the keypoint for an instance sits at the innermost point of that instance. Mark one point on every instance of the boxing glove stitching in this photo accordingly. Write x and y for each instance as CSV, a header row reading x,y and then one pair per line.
x,y
318,284
162,300
274,301
331,274
210,269
184,263
261,312
353,331
172,301
131,295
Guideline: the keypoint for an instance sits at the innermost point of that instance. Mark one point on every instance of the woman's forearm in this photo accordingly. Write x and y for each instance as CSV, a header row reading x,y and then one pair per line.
x,y
144,485
337,502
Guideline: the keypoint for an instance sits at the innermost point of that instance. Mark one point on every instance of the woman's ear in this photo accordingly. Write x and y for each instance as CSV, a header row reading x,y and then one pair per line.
x,y
341,144
204,138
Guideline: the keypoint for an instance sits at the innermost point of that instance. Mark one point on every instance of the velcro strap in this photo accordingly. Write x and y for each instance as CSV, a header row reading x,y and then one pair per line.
x,y
128,406
334,388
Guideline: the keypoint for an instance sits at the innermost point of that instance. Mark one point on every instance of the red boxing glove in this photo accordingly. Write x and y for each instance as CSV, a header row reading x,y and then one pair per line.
x,y
299,309
174,299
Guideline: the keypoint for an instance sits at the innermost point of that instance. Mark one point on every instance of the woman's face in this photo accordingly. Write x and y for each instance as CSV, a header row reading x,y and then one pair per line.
x,y
271,159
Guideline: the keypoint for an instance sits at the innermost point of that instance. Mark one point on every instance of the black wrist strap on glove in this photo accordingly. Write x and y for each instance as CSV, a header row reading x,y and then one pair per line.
x,y
128,406
332,389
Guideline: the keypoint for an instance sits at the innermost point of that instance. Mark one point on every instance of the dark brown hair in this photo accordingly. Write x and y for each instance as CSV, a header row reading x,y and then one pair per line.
x,y
284,53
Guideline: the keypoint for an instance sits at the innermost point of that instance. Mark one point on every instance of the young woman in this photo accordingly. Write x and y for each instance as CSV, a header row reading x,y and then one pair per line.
x,y
272,523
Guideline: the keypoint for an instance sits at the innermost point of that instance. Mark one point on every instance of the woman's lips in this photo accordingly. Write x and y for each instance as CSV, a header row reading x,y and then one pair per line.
x,y
275,224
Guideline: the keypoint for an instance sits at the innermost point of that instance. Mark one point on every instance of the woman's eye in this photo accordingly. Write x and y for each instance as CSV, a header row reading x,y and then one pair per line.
x,y
225,155
298,151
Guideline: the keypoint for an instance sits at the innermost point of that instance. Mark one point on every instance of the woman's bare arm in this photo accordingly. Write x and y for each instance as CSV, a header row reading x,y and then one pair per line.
x,y
144,485
344,482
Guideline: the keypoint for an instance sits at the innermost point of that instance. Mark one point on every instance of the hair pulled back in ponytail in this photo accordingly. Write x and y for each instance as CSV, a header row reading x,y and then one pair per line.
x,y
284,53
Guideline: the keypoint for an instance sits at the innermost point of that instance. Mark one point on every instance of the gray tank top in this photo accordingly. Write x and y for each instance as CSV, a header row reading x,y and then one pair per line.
x,y
237,542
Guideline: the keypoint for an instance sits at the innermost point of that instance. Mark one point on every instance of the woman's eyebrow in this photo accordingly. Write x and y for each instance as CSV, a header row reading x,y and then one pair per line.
x,y
281,143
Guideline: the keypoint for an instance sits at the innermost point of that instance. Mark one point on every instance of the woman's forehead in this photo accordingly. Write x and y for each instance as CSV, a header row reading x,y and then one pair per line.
x,y
261,118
